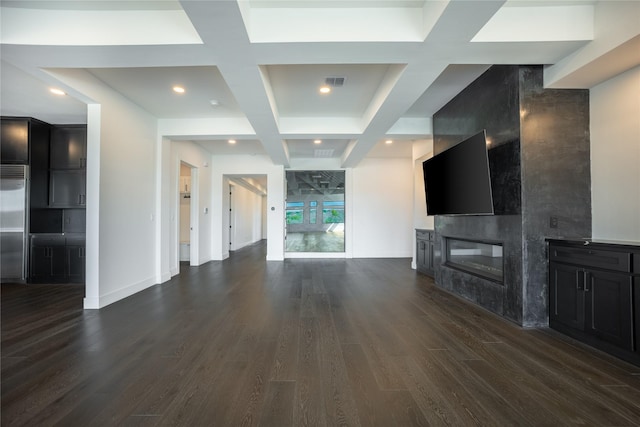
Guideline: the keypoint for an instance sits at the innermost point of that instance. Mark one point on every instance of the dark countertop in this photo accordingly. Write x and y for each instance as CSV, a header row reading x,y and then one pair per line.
x,y
599,242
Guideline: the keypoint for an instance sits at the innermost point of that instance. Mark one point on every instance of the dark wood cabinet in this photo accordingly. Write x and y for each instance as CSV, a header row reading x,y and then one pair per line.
x,y
566,296
608,307
75,260
425,252
69,147
57,159
67,189
48,255
593,295
68,161
14,141
636,305
22,140
57,259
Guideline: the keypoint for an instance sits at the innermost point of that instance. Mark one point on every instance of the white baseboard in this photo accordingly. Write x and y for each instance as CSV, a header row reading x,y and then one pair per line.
x,y
119,294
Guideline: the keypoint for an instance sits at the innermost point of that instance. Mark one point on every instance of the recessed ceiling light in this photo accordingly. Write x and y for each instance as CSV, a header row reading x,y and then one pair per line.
x,y
214,102
317,141
325,89
232,141
178,89
57,91
389,141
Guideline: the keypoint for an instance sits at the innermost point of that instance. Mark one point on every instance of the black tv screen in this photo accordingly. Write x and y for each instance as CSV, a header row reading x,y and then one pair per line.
x,y
457,181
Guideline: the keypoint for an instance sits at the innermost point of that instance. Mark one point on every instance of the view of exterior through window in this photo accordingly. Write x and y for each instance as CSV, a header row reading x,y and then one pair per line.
x,y
315,210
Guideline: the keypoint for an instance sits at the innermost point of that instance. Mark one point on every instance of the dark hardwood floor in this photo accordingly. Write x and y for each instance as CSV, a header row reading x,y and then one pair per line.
x,y
301,343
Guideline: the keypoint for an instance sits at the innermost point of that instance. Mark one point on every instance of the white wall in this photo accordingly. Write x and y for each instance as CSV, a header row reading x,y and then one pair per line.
x,y
201,199
247,165
615,157
382,206
247,217
421,150
121,192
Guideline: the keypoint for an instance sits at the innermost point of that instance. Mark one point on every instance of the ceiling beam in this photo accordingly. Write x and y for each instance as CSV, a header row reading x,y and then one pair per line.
x,y
220,26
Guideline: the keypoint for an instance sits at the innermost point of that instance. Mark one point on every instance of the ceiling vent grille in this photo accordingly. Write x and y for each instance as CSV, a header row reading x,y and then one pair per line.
x,y
323,152
334,81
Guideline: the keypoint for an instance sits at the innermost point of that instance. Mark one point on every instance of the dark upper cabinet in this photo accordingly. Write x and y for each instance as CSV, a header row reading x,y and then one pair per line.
x,y
74,221
67,189
68,147
14,141
22,140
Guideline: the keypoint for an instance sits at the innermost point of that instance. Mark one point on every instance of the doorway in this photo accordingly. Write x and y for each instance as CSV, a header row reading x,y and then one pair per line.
x,y
315,212
244,210
188,215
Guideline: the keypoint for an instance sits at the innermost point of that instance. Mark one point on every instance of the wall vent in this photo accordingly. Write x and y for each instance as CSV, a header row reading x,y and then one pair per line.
x,y
334,81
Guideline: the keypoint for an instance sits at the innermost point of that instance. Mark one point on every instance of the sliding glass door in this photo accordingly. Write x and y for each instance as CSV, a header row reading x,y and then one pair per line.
x,y
315,211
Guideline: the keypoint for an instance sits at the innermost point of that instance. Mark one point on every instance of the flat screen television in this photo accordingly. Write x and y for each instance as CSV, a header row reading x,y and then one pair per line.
x,y
457,181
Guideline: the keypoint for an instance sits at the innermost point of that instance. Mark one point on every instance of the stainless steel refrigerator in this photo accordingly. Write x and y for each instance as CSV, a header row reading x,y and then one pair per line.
x,y
14,209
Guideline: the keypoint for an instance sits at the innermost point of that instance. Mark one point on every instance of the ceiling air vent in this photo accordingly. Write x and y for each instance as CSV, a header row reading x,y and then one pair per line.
x,y
334,81
323,152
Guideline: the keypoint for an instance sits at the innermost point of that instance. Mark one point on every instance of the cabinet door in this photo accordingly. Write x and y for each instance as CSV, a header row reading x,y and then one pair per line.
x,y
609,314
566,295
76,263
68,147
41,260
67,189
74,221
636,304
421,254
58,264
430,256
14,141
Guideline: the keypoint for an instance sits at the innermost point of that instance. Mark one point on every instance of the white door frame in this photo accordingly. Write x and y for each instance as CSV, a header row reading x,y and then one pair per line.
x,y
194,253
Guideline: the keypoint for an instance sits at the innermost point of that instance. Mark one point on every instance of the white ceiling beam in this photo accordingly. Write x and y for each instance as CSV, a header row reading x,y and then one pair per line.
x,y
221,27
613,50
458,24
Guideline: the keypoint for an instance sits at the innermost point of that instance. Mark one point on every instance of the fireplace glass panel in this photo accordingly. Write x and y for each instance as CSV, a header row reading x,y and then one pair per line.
x,y
478,258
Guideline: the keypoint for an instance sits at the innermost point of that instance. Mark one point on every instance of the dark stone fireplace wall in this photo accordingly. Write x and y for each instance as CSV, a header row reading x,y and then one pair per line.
x,y
539,160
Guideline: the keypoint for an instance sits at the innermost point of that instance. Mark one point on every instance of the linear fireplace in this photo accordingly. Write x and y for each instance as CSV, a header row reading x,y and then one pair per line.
x,y
479,258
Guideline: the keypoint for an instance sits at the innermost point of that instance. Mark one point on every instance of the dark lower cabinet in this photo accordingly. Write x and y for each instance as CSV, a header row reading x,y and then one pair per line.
x,y
636,304
599,306
609,311
566,296
424,252
57,259
75,259
48,259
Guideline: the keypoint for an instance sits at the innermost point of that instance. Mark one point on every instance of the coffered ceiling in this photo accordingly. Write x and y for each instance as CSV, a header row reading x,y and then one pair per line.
x,y
253,69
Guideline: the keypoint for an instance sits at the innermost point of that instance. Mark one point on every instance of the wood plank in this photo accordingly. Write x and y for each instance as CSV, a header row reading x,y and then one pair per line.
x,y
278,406
309,399
313,342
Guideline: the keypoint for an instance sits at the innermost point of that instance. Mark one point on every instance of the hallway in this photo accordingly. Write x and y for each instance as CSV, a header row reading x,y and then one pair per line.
x,y
301,342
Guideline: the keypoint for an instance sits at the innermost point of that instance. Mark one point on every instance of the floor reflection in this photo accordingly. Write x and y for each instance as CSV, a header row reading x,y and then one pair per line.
x,y
329,241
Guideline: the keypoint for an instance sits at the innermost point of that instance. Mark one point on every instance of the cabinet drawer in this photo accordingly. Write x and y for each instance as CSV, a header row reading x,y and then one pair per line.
x,y
37,240
424,234
585,256
636,264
